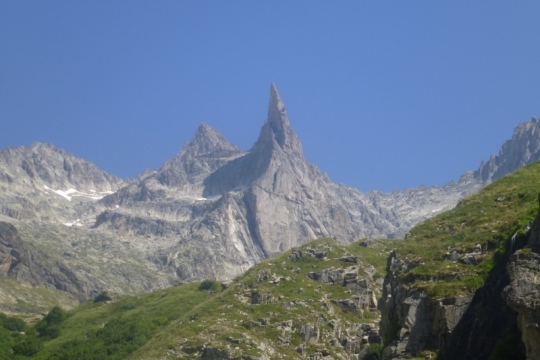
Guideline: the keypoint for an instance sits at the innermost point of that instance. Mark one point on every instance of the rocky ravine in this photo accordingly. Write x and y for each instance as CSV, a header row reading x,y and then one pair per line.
x,y
213,210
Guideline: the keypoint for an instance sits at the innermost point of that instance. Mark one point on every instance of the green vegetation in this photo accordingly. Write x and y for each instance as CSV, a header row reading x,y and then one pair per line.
x,y
180,320
490,219
374,352
15,344
117,329
48,328
209,285
12,323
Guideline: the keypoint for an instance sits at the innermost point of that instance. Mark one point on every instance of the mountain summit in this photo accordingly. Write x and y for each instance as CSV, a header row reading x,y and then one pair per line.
x,y
212,210
220,210
277,125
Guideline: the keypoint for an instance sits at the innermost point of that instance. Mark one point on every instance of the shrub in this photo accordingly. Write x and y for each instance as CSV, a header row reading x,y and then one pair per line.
x,y
209,285
5,344
28,347
474,282
374,352
49,327
116,340
12,323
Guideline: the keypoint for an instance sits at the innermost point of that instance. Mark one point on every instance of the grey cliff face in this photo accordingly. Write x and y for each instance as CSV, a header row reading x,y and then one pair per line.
x,y
469,326
46,183
422,323
522,149
43,164
523,292
523,296
212,211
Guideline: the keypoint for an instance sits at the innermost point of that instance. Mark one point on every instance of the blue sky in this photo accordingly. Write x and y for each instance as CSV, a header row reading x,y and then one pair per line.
x,y
383,95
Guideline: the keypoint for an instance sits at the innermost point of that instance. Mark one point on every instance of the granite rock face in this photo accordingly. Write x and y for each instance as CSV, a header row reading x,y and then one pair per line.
x,y
75,260
522,149
213,210
420,323
48,184
523,292
13,255
523,295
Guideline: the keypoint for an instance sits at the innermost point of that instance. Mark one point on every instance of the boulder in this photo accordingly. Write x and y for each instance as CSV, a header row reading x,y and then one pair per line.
x,y
309,333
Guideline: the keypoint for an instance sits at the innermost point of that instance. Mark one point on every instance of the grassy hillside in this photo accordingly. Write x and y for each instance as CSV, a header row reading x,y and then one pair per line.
x,y
480,225
281,308
260,313
17,298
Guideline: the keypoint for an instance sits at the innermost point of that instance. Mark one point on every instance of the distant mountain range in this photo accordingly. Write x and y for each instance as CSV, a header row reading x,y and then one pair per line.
x,y
210,212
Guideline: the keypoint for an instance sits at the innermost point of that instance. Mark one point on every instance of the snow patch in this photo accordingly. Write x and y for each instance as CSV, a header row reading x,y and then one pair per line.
x,y
71,193
74,223
210,198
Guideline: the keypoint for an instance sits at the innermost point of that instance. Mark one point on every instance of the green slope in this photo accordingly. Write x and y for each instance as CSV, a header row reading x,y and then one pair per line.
x,y
179,322
489,219
183,321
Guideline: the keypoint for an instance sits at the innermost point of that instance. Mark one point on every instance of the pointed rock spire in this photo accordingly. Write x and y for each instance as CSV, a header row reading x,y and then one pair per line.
x,y
277,125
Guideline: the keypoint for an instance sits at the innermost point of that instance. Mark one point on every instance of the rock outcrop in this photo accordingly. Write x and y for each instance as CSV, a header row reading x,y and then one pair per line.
x,y
417,321
47,184
523,292
522,149
36,262
499,320
523,296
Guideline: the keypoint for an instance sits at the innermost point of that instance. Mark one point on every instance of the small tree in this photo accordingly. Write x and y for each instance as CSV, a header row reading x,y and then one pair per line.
x,y
49,326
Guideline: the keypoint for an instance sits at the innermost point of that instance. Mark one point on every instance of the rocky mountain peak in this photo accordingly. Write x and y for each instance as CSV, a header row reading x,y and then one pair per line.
x,y
522,149
277,126
44,164
208,141
205,153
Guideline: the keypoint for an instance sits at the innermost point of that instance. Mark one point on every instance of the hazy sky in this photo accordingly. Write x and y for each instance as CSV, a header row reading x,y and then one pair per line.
x,y
383,95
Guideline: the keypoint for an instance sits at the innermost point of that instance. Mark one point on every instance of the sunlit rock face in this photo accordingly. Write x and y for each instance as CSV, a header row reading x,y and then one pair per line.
x,y
522,149
213,210
49,184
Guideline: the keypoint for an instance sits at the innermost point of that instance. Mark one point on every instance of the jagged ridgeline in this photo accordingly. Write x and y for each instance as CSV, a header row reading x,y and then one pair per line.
x,y
68,231
212,211
446,284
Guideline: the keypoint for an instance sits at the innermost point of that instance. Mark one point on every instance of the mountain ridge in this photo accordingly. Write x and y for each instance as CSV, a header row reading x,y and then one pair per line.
x,y
213,210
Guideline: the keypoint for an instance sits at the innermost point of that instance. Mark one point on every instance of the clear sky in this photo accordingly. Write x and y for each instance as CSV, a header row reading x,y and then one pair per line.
x,y
383,94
